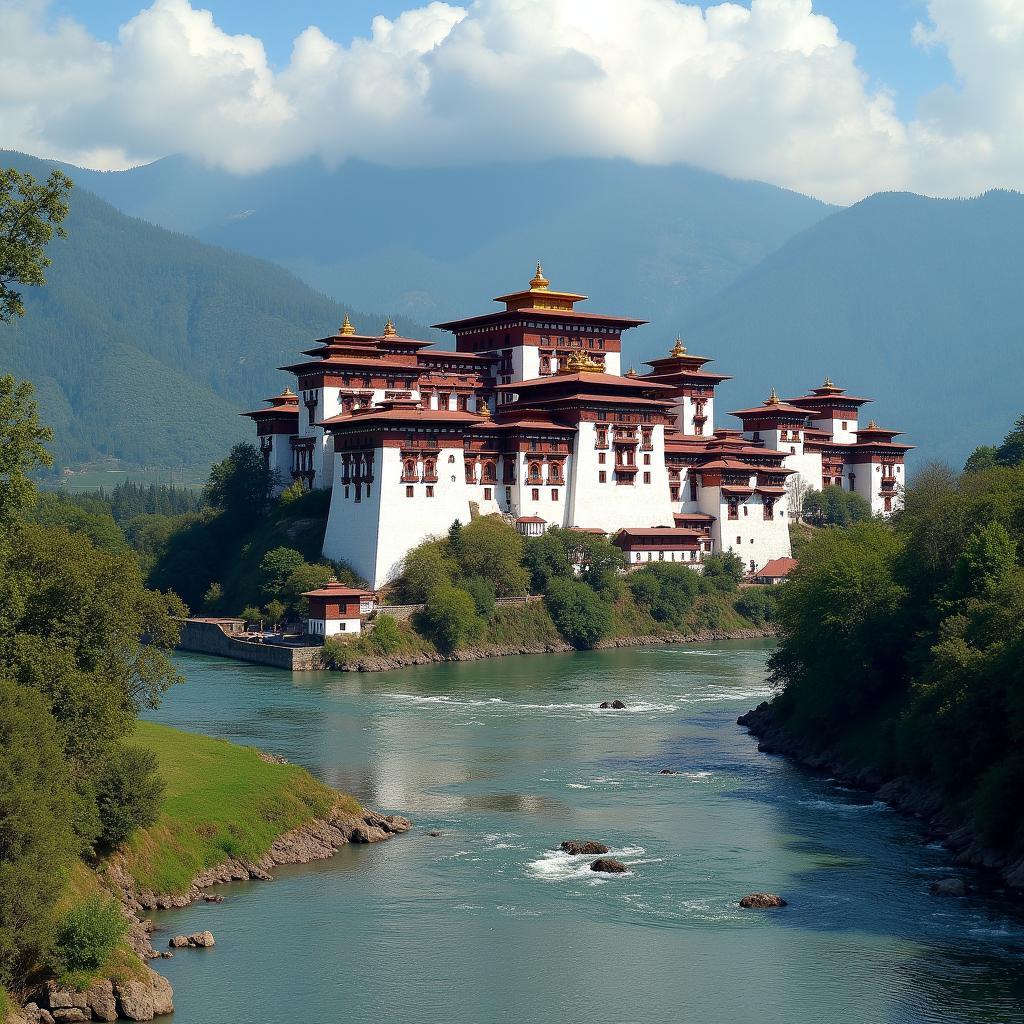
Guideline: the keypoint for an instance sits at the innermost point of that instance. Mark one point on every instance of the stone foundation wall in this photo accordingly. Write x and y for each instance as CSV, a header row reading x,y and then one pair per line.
x,y
210,638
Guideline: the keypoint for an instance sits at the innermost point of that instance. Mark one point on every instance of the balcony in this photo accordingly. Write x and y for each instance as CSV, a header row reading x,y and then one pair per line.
x,y
888,485
625,467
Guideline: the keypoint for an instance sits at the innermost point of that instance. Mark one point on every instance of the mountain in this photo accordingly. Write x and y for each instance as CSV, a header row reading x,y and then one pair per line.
x,y
437,243
144,344
915,302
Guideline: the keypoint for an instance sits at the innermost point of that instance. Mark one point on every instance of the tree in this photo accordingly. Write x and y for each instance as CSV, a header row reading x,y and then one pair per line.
x,y
490,548
22,441
723,571
988,558
299,581
450,618
30,213
128,793
545,559
983,457
213,596
424,569
1011,451
579,614
797,489
482,592
275,612
835,507
240,485
594,556
37,844
277,565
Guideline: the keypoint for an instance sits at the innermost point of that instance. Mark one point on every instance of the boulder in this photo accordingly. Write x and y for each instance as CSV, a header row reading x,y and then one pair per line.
x,y
178,942
618,705
209,897
583,847
57,998
668,771
144,998
433,835
100,997
31,1014
201,940
949,887
607,864
762,901
605,704
70,1015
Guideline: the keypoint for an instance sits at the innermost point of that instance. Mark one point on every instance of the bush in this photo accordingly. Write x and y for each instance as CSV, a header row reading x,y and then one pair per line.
x,y
292,493
129,794
88,935
450,619
835,507
274,612
759,604
385,637
212,597
482,592
579,614
251,614
667,590
277,565
425,568
490,548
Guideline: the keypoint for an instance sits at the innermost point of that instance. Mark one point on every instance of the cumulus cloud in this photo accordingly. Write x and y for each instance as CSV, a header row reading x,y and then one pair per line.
x,y
766,90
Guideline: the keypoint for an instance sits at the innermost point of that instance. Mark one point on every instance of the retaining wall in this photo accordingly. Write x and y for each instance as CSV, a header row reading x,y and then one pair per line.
x,y
207,637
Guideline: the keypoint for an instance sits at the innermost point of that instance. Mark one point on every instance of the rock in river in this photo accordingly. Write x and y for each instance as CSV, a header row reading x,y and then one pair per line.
x,y
616,704
949,887
578,847
612,867
762,901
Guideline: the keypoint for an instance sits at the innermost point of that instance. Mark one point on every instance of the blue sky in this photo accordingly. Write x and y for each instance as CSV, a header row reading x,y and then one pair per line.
x,y
880,29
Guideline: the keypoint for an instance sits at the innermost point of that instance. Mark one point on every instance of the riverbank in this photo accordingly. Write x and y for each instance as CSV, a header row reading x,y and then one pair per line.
x,y
386,663
952,825
229,813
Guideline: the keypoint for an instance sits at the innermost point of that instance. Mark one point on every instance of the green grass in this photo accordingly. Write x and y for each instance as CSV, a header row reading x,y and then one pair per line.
x,y
222,800
342,650
512,625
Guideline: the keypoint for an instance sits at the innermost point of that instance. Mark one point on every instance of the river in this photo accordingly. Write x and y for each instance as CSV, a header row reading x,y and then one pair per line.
x,y
486,922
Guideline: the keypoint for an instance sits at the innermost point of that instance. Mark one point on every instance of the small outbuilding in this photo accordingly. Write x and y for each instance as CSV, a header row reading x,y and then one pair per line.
x,y
660,544
336,608
531,526
775,571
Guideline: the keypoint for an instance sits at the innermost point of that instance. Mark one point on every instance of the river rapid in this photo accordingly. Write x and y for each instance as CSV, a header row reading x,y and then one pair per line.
x,y
487,922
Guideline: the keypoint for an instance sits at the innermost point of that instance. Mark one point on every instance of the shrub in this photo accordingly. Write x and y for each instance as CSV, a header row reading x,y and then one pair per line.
x,y
425,568
450,618
251,614
128,793
759,604
385,637
212,597
579,614
292,493
88,935
482,592
277,565
274,612
723,571
666,589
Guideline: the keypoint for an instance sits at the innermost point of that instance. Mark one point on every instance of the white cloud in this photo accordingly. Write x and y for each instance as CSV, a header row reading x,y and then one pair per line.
x,y
766,90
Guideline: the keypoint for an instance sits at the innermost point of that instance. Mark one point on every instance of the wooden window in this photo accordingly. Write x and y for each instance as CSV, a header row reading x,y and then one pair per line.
x,y
487,494
408,492
647,478
430,491
535,494
602,477
734,512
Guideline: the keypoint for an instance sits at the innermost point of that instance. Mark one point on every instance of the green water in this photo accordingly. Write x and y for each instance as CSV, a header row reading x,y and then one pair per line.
x,y
487,923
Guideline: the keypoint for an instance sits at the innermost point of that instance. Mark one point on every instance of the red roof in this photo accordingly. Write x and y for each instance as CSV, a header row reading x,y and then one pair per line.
x,y
530,519
633,383
777,568
776,409
337,590
679,532
544,314
378,414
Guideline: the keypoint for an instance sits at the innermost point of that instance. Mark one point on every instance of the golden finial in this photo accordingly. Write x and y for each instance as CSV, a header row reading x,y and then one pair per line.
x,y
631,372
389,330
346,329
678,349
288,393
773,398
828,382
539,283
872,425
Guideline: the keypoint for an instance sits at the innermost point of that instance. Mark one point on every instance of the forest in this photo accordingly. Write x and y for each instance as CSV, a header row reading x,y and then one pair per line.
x,y
901,643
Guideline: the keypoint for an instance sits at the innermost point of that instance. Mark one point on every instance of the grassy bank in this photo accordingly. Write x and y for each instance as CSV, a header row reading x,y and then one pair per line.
x,y
221,801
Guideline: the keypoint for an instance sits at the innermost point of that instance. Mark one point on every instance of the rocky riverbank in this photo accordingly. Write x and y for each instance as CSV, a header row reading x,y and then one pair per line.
x,y
370,663
147,994
953,826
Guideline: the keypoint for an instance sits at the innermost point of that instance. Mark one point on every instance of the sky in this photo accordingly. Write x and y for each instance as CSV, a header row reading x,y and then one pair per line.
x,y
834,98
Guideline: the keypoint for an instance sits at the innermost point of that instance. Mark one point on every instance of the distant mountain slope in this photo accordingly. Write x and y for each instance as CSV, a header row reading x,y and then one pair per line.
x,y
439,243
145,344
916,302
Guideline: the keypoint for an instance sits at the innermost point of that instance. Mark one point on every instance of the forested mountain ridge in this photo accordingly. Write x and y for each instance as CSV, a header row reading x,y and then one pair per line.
x,y
437,243
146,344
911,301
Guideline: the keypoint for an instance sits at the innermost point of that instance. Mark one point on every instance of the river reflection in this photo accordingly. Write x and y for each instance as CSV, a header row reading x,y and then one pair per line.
x,y
488,922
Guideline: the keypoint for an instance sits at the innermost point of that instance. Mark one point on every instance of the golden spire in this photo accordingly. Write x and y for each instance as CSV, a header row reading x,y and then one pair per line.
x,y
678,349
872,425
539,283
773,398
346,330
288,393
828,382
389,330
631,372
